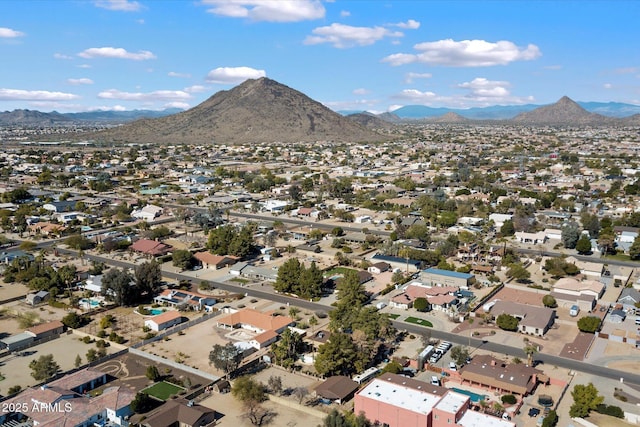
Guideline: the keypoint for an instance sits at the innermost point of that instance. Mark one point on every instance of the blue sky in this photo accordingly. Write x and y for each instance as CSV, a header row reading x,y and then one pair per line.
x,y
373,55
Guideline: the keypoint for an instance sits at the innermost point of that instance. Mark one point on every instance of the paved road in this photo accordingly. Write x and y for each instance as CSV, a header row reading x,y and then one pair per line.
x,y
602,371
587,258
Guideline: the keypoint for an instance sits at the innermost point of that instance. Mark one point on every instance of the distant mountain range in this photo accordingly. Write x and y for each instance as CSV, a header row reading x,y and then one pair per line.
x,y
505,112
33,117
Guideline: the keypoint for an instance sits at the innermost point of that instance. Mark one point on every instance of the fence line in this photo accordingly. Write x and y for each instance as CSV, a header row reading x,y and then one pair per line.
x,y
175,329
174,364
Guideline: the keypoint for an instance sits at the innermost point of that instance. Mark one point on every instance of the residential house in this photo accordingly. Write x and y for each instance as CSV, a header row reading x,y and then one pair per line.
x,y
59,206
178,412
629,297
214,262
337,389
147,213
111,407
591,269
253,272
17,341
624,237
396,401
179,298
93,284
532,238
500,219
617,316
150,247
266,326
163,321
585,294
532,320
46,229
379,267
485,371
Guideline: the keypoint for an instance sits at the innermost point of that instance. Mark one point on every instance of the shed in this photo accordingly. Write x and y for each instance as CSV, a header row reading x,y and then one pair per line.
x,y
37,298
16,342
163,321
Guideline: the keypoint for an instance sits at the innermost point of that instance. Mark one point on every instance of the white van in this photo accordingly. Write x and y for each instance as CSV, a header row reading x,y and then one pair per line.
x,y
435,380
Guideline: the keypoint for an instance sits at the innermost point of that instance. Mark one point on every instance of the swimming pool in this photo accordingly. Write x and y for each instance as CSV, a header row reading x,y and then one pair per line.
x,y
156,311
89,302
475,397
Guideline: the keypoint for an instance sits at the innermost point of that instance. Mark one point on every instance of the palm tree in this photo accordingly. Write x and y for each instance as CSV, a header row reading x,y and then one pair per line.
x,y
530,349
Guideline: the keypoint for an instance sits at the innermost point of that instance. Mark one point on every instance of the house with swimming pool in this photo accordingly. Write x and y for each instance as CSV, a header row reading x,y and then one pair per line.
x,y
178,298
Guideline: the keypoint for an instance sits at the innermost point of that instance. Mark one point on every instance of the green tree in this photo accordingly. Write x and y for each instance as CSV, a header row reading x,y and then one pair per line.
x,y
392,367
73,320
589,324
117,286
518,272
142,403
459,354
551,419
634,249
585,399
92,355
421,304
183,259
350,291
570,235
14,390
507,228
44,367
226,357
78,361
583,246
530,350
78,242
247,389
148,277
287,349
507,322
337,356
549,301
152,373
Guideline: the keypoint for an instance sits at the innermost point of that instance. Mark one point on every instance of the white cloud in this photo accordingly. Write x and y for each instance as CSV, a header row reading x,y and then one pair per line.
x,y
8,33
119,5
34,95
116,52
62,56
81,81
182,105
409,25
342,36
416,96
607,86
181,75
233,75
158,95
394,107
465,53
361,91
345,13
410,77
196,89
84,66
268,10
110,108
483,88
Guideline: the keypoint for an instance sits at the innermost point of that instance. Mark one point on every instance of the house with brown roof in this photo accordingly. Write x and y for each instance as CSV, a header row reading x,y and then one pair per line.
x,y
266,326
337,389
150,247
46,229
181,413
214,262
532,320
497,375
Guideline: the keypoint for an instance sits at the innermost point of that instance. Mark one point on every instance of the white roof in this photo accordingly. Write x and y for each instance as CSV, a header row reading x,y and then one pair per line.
x,y
452,402
477,419
410,399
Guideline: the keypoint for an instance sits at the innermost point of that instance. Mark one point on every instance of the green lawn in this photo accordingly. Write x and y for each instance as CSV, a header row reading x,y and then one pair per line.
x,y
393,316
619,257
162,390
418,321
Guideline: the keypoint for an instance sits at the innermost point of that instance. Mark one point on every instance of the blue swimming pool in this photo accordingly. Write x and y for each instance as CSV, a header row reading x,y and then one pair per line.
x,y
475,397
156,311
89,302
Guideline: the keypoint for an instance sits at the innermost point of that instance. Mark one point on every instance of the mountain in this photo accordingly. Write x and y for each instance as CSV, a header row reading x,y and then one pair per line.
x,y
390,117
495,112
449,117
565,111
261,110
111,116
370,121
611,109
32,118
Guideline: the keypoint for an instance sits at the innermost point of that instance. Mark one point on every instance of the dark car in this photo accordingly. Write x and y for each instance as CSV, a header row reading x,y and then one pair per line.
x,y
534,412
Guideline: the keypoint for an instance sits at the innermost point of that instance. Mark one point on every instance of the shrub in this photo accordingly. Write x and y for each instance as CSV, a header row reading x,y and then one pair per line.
x,y
87,339
509,399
